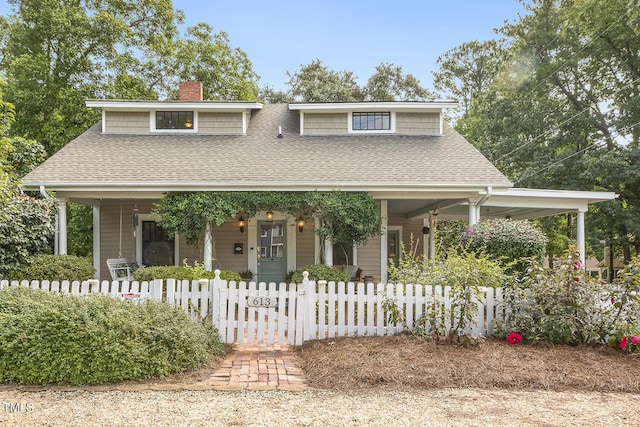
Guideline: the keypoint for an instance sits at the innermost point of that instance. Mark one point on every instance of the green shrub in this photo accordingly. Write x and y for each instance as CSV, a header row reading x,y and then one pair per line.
x,y
464,272
182,273
564,305
50,338
505,240
55,267
318,272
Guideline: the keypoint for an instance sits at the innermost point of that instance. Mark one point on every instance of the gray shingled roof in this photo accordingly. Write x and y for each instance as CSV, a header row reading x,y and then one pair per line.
x,y
261,157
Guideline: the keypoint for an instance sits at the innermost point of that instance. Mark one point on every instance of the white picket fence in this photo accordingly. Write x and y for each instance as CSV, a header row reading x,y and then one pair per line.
x,y
287,313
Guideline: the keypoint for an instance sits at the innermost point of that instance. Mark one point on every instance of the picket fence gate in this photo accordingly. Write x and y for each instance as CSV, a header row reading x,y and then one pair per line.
x,y
287,313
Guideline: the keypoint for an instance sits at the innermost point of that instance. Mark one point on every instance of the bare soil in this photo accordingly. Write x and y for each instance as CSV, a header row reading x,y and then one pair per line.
x,y
405,363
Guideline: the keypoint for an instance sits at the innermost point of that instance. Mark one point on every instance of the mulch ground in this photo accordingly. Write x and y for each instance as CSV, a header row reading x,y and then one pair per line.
x,y
405,362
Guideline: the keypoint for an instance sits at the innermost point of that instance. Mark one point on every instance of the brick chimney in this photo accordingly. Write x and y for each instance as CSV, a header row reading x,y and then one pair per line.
x,y
190,91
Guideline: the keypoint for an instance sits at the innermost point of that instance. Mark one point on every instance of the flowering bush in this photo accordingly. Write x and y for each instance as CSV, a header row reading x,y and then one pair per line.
x,y
505,240
625,301
565,305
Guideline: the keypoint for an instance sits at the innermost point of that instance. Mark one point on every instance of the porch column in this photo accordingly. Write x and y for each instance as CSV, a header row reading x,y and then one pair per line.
x,y
208,247
384,242
580,235
62,227
96,240
426,238
473,211
328,252
432,235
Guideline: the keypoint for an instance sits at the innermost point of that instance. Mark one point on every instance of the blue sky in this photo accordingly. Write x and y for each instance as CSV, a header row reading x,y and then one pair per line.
x,y
353,35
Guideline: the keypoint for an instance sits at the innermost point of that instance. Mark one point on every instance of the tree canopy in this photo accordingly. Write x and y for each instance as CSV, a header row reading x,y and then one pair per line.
x,y
55,54
316,83
26,223
555,104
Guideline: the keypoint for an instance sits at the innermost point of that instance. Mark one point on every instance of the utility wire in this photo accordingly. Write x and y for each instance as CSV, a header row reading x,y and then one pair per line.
x,y
566,62
597,143
518,148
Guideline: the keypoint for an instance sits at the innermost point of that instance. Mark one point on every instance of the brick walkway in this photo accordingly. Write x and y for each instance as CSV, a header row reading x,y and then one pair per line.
x,y
259,367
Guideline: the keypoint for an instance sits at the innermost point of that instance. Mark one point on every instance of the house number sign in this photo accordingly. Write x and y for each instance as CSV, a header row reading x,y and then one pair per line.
x,y
262,301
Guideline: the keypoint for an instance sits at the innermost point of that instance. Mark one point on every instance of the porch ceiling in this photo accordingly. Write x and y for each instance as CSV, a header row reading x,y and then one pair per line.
x,y
515,203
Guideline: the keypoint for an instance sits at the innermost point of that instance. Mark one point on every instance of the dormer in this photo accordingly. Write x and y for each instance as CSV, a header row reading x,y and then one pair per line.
x,y
370,118
190,115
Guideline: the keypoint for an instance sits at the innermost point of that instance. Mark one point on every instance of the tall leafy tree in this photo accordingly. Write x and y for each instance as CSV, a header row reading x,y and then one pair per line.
x,y
56,53
59,52
466,71
26,223
560,107
316,83
389,83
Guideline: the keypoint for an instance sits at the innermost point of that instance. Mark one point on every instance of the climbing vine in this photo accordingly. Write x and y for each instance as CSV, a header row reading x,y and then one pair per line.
x,y
343,217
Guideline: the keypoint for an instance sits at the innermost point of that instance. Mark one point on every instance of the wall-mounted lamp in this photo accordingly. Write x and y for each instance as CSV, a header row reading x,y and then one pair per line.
x,y
241,224
269,216
300,223
425,230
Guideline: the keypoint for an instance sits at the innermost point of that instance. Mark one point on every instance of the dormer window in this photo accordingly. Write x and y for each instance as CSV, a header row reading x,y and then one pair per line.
x,y
371,121
174,120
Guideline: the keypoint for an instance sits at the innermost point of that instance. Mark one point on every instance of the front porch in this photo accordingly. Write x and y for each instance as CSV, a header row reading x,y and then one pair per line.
x,y
124,226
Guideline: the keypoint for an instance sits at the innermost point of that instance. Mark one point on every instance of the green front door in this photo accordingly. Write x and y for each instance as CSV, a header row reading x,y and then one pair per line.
x,y
272,256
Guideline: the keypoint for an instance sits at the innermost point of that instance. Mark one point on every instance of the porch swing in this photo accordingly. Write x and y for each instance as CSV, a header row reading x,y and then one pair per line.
x,y
119,268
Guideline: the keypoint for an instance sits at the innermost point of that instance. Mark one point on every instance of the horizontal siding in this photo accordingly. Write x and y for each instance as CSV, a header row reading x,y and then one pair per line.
x,y
369,258
110,236
418,123
409,227
225,237
126,122
222,123
305,245
325,124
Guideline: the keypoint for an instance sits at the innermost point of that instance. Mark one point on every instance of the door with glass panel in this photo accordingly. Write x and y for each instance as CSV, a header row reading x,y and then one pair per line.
x,y
272,254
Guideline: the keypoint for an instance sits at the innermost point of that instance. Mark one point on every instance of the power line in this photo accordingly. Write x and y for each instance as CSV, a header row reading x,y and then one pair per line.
x,y
559,125
597,143
566,62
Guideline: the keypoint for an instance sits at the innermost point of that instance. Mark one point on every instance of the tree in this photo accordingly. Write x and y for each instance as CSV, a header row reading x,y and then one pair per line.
x,y
316,83
26,223
388,83
226,73
269,95
57,53
562,109
466,71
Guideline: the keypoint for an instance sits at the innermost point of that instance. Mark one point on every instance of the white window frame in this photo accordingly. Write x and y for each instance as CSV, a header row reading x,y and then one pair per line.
x,y
155,218
392,123
152,122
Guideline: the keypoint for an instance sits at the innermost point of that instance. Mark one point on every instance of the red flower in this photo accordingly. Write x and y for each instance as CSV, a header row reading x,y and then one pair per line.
x,y
577,278
635,340
623,343
577,265
514,338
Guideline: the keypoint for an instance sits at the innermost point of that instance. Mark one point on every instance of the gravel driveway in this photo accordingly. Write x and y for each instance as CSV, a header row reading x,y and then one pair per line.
x,y
443,407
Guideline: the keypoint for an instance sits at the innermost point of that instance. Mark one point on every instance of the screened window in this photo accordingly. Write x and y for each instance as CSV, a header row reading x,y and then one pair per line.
x,y
371,121
174,120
